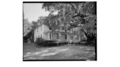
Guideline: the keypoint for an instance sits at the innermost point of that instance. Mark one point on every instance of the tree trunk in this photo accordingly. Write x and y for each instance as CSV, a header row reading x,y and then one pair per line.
x,y
91,38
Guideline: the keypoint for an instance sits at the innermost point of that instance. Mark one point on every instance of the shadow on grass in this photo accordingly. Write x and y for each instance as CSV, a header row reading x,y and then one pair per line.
x,y
54,44
50,44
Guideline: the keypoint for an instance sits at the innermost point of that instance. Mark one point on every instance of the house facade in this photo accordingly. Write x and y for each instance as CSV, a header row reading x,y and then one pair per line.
x,y
40,32
60,36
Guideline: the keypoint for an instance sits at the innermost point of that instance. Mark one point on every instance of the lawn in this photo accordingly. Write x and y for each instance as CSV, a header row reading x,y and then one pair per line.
x,y
66,52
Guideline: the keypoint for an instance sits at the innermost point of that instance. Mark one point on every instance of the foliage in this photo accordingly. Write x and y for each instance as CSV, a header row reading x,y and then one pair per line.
x,y
81,15
27,27
39,40
27,30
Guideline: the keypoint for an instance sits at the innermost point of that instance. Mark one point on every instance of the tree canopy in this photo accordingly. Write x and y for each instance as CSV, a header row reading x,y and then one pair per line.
x,y
82,17
72,15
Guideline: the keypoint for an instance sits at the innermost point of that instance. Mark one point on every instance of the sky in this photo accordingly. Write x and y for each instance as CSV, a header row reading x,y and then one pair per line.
x,y
33,10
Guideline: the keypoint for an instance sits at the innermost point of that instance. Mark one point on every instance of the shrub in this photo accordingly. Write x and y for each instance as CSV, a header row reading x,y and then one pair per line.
x,y
39,41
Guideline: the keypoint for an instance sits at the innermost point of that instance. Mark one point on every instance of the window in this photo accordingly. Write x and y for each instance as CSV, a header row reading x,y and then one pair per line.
x,y
65,36
50,35
57,36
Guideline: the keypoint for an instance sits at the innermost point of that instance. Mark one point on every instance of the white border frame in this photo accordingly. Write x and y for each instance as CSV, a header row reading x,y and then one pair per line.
x,y
54,61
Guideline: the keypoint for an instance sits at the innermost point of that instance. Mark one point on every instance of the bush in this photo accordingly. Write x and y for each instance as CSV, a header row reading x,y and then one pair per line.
x,y
39,41
42,42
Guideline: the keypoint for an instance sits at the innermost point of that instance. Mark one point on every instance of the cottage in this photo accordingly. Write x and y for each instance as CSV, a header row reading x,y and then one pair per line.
x,y
61,36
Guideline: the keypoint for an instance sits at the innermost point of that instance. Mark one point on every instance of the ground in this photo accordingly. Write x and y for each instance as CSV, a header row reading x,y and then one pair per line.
x,y
66,52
